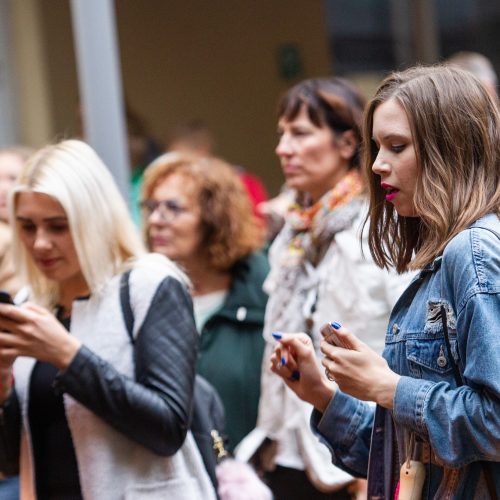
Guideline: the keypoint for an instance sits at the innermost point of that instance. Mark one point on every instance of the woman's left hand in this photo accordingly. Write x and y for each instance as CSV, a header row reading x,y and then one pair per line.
x,y
31,330
295,361
359,371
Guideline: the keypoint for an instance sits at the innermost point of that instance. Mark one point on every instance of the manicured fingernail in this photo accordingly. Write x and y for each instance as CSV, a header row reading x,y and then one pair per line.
x,y
295,375
277,335
283,361
336,325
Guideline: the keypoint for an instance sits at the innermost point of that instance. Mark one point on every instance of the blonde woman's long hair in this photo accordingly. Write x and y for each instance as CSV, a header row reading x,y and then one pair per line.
x,y
455,127
105,238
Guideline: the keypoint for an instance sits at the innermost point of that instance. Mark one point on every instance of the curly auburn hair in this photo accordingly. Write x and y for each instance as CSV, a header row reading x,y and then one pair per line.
x,y
230,229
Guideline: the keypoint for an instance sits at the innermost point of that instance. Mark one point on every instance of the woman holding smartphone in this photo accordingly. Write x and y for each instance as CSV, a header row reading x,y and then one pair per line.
x,y
432,155
317,249
86,413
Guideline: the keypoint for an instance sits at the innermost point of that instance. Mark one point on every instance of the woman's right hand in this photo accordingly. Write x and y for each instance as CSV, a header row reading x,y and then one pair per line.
x,y
294,360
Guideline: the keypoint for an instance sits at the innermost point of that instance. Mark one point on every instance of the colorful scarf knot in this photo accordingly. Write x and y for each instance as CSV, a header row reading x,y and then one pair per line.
x,y
310,223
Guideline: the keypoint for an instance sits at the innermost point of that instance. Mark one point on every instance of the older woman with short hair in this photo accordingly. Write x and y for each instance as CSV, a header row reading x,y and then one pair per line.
x,y
319,272
197,213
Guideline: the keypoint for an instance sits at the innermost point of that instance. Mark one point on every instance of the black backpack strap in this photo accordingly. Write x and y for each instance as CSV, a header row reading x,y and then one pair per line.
x,y
128,314
488,477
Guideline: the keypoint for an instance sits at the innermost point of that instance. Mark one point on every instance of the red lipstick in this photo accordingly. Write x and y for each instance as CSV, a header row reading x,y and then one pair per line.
x,y
391,191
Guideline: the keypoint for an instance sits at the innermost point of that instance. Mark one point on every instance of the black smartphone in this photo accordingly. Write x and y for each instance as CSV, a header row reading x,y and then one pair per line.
x,y
5,297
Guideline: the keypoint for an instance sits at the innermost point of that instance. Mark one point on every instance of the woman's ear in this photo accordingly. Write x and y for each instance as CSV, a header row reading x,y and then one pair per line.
x,y
348,144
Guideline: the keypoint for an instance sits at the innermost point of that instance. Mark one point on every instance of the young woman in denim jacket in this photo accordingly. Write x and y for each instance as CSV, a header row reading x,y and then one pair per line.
x,y
432,156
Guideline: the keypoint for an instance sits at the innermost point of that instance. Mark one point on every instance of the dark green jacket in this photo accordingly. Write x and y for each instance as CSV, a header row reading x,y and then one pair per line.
x,y
231,346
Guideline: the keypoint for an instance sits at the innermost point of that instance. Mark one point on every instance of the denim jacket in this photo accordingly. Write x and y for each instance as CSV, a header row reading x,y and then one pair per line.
x,y
455,427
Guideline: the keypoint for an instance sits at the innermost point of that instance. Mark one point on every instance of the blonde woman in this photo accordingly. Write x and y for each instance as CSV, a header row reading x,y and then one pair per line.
x,y
87,413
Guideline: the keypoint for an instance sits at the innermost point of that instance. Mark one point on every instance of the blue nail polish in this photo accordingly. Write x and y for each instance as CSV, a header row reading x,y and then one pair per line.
x,y
336,325
295,375
277,335
283,361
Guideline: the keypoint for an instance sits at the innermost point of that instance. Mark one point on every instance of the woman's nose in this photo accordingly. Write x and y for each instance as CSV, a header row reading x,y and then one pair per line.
x,y
42,241
380,166
159,217
283,147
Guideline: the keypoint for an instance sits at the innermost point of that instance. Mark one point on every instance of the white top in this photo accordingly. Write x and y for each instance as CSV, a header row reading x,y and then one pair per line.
x,y
351,290
111,465
205,306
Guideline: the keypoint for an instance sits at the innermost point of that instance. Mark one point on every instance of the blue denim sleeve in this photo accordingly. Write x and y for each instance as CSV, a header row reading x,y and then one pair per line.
x,y
462,424
345,428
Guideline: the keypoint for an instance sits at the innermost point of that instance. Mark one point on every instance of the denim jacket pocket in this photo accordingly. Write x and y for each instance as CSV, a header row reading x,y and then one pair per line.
x,y
428,358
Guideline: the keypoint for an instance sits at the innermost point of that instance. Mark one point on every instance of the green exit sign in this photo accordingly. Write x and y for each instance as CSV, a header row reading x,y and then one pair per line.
x,y
289,61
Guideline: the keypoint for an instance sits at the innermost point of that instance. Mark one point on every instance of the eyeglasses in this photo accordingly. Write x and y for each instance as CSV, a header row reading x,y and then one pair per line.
x,y
167,209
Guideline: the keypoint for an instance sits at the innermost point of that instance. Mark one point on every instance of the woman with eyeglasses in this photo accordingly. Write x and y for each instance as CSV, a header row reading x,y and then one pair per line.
x,y
87,411
197,213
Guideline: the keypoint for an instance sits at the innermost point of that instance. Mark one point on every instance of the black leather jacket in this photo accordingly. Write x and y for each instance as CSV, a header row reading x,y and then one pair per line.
x,y
155,408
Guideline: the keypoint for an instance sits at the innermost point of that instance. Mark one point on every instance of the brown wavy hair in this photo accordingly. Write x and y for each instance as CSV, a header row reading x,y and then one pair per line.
x,y
230,229
455,127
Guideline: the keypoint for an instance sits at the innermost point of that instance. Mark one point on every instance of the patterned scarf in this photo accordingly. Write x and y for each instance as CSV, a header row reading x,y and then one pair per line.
x,y
302,244
312,226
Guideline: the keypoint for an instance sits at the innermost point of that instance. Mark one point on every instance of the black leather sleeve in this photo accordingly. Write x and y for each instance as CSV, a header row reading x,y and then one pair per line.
x,y
10,435
155,409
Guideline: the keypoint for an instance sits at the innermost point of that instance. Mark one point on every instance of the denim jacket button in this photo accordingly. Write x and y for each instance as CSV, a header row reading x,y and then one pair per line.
x,y
395,329
442,361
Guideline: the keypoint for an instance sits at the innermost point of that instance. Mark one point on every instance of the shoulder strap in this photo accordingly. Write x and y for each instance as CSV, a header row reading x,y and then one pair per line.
x,y
128,314
208,414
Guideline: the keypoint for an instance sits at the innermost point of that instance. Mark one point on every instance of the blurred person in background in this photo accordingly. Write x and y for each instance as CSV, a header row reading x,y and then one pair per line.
x,y
196,138
193,137
142,149
12,160
87,411
480,66
196,213
318,272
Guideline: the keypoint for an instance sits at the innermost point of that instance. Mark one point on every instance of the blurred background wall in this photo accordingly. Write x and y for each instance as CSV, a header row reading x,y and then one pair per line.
x,y
225,61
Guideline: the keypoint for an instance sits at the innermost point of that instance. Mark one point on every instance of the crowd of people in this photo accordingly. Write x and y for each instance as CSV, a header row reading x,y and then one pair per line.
x,y
356,355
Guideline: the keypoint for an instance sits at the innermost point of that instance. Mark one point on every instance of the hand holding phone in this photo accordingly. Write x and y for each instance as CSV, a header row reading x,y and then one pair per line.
x,y
330,335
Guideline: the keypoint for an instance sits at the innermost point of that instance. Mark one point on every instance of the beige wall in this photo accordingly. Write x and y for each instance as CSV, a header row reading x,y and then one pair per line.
x,y
35,119
215,61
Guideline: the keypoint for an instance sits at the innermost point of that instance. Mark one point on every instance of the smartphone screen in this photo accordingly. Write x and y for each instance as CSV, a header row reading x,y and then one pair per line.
x,y
330,335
